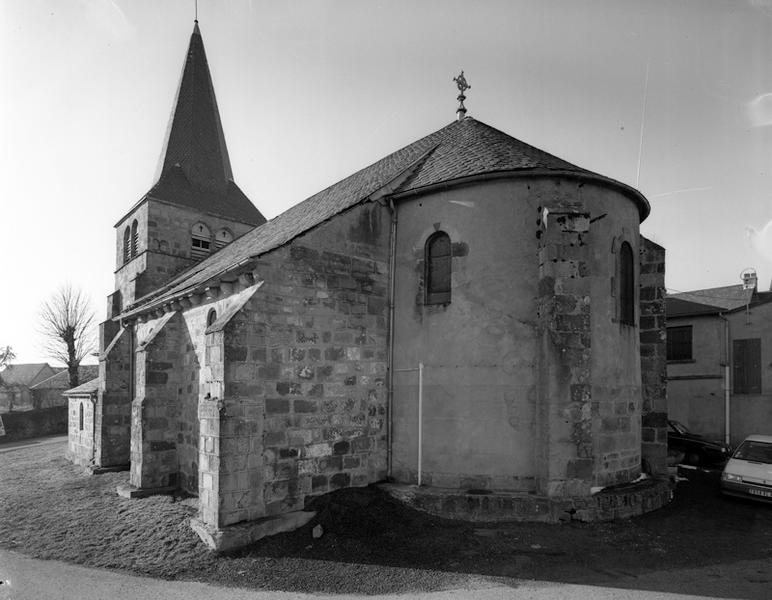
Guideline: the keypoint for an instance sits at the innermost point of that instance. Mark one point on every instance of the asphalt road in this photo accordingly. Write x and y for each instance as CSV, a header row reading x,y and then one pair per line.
x,y
9,446
30,579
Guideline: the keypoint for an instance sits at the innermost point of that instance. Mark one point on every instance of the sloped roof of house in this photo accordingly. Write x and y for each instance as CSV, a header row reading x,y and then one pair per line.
x,y
459,152
727,297
61,381
88,388
675,307
26,374
195,170
713,301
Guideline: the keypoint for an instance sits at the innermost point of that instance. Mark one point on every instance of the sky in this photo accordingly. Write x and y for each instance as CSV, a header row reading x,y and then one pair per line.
x,y
671,97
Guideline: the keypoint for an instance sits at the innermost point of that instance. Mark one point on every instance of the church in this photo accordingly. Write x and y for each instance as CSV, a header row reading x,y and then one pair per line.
x,y
469,313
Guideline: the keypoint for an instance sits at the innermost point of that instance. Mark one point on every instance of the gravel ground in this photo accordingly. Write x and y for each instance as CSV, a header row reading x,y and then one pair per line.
x,y
371,544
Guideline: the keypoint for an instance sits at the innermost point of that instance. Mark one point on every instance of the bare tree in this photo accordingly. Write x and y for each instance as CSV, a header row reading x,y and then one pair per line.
x,y
66,324
6,356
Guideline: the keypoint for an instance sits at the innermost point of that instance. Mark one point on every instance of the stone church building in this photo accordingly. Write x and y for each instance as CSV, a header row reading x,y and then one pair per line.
x,y
468,313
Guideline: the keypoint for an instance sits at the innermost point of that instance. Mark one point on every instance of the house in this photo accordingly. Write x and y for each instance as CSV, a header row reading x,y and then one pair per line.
x,y
48,393
719,352
469,312
16,382
32,400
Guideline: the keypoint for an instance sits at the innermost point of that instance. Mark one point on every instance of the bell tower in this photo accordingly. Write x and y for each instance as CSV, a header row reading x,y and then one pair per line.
x,y
195,207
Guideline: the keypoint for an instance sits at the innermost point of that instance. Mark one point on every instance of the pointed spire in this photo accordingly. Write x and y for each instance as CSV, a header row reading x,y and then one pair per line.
x,y
194,139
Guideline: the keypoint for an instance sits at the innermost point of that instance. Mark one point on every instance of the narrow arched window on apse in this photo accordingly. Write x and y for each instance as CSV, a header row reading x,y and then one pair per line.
x,y
127,245
437,259
211,317
80,417
626,285
134,238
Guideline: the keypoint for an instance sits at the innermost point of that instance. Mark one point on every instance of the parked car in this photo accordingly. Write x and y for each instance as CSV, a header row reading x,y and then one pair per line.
x,y
748,473
696,449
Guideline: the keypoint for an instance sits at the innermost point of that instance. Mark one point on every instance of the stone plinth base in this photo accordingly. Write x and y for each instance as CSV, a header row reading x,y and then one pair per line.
x,y
618,502
242,534
129,491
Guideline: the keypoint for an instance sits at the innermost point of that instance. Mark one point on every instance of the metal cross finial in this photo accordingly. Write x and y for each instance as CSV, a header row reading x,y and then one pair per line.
x,y
461,83
462,87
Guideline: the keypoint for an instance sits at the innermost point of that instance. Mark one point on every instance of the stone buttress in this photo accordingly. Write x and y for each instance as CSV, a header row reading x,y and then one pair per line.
x,y
565,396
653,357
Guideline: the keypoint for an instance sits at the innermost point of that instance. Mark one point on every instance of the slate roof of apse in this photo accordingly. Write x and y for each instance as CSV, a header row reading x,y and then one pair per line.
x,y
61,381
461,149
23,374
90,387
194,170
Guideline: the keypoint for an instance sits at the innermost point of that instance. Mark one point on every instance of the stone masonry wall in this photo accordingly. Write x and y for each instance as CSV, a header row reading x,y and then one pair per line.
x,y
112,412
211,411
303,408
566,421
162,428
80,443
164,245
653,356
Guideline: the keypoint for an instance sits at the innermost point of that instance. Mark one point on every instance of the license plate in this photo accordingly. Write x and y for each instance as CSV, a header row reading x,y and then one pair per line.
x,y
764,493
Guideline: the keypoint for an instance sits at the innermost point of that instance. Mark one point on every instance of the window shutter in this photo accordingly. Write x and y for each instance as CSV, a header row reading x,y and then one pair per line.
x,y
126,245
746,367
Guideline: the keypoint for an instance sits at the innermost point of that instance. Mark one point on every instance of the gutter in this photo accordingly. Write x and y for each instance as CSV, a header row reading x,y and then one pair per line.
x,y
392,287
727,398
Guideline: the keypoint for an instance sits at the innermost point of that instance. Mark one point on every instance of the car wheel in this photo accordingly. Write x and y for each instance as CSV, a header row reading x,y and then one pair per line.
x,y
693,458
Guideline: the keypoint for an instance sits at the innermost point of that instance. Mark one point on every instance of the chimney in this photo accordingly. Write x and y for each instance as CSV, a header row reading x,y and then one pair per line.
x,y
750,280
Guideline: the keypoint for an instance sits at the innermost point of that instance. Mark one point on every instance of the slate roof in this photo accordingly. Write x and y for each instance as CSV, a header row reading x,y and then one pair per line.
x,y
90,387
675,307
229,202
462,149
61,381
727,297
194,169
23,374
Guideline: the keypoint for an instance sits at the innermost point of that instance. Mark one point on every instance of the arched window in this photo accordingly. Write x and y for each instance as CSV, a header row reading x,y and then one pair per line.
x,y
80,417
211,317
437,260
223,238
134,238
127,245
201,241
626,285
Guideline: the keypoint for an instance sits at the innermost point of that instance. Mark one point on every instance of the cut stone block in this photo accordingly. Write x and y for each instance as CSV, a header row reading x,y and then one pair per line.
x,y
129,491
243,534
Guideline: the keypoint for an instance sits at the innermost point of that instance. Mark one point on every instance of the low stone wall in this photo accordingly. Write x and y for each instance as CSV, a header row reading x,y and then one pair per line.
x,y
34,423
618,502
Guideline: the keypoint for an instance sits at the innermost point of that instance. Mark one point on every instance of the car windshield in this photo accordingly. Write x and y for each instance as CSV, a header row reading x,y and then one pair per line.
x,y
678,427
754,451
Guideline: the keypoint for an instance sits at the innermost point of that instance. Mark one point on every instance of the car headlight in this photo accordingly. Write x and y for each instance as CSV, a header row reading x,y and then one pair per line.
x,y
731,477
